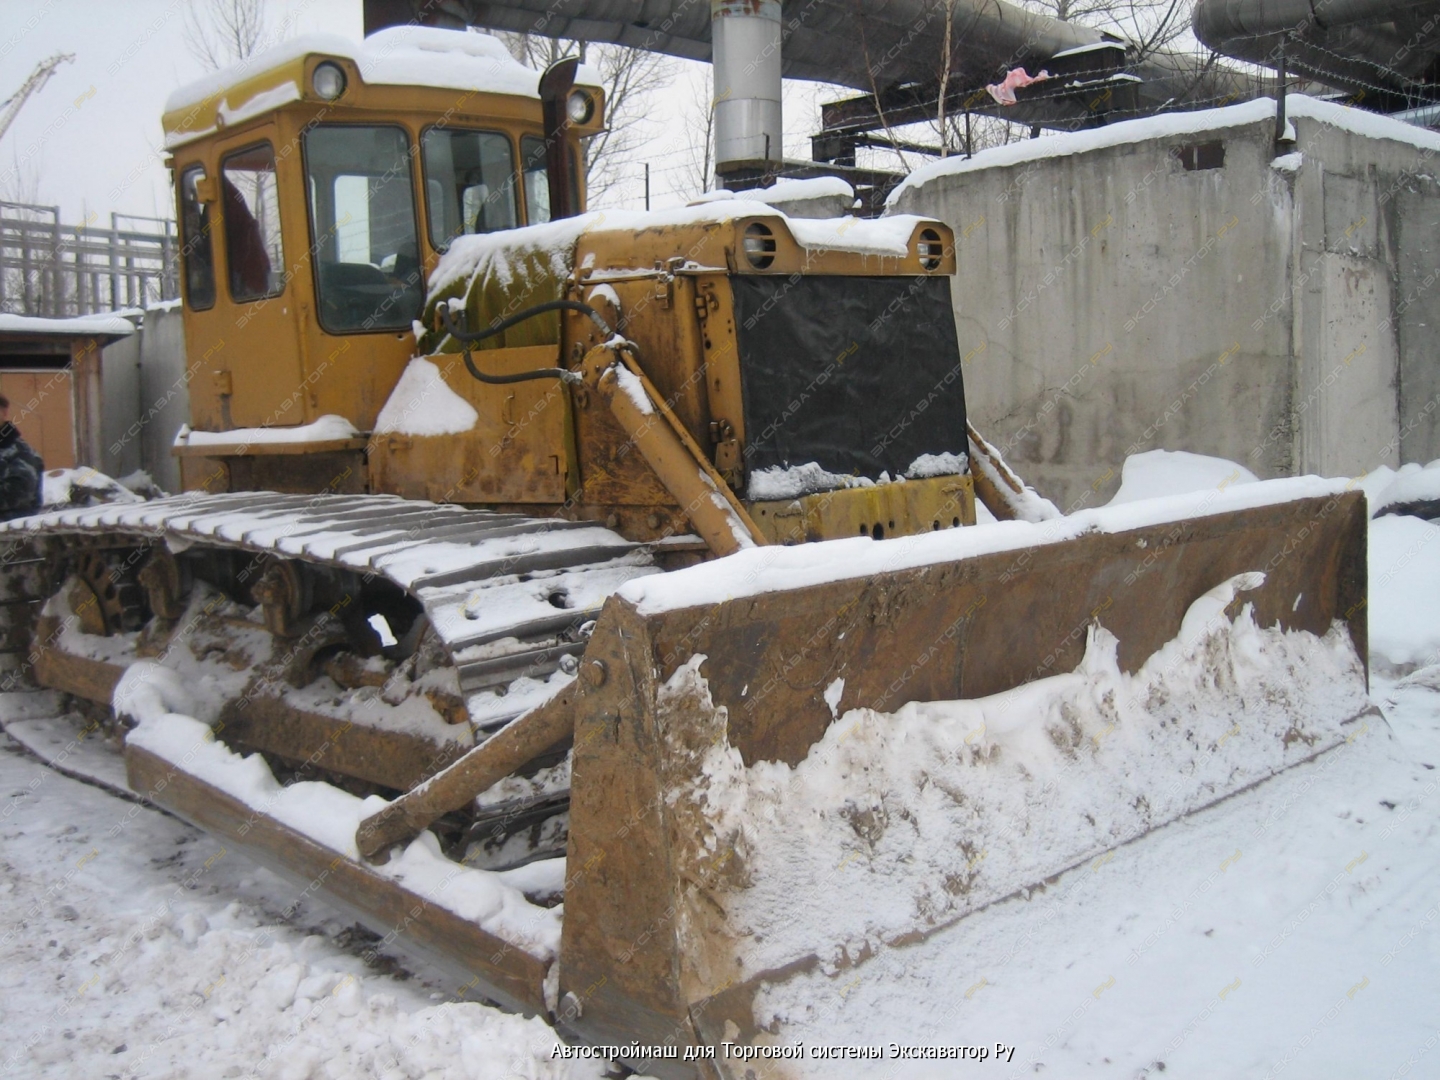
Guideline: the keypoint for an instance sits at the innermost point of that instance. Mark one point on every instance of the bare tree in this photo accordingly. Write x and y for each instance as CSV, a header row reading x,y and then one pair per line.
x,y
628,77
220,32
698,169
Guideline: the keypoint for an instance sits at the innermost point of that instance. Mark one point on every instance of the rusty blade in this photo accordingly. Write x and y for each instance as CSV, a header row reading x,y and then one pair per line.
x,y
657,924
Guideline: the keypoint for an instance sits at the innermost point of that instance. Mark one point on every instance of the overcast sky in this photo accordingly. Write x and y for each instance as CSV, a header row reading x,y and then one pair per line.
x,y
90,141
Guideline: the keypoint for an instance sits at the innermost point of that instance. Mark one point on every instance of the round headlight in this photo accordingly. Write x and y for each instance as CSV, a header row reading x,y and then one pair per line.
x,y
328,81
580,107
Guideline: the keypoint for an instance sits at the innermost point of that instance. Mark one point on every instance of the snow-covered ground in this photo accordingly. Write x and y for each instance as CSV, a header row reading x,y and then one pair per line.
x,y
1291,930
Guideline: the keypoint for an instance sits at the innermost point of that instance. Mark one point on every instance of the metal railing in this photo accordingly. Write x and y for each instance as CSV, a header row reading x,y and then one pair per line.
x,y
56,270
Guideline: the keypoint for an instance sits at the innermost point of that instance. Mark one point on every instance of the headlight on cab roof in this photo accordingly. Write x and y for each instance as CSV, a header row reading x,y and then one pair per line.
x,y
580,107
328,81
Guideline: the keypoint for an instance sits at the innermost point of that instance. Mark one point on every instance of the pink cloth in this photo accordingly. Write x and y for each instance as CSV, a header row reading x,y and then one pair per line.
x,y
1004,92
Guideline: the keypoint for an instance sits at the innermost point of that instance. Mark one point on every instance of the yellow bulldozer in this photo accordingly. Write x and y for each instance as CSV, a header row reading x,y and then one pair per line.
x,y
592,602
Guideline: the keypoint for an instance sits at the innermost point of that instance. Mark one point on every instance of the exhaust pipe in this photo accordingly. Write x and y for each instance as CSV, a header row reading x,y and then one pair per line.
x,y
561,168
745,38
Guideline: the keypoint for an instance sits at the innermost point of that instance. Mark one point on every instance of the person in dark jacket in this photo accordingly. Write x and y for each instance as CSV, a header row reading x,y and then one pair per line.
x,y
21,470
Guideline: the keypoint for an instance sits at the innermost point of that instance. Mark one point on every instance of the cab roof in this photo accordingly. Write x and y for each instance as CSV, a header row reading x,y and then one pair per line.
x,y
399,56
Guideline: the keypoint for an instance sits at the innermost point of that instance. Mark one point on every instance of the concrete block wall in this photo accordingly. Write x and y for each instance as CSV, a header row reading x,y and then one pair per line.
x,y
1276,312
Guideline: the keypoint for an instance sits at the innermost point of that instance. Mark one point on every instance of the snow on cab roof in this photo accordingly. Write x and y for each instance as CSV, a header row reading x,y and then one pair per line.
x,y
1297,106
398,56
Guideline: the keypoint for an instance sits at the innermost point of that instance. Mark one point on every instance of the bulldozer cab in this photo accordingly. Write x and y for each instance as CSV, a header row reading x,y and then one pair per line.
x,y
317,186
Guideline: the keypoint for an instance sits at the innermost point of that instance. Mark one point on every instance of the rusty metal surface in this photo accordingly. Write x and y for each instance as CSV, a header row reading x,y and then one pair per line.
x,y
394,759
984,625
647,949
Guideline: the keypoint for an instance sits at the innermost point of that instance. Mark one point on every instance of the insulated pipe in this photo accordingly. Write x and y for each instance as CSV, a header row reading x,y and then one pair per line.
x,y
745,35
1350,43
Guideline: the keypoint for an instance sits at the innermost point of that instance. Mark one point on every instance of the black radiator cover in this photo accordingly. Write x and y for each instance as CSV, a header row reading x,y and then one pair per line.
x,y
859,374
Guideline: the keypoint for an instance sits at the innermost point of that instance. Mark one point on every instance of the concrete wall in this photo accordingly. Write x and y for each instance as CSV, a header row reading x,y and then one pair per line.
x,y
1120,303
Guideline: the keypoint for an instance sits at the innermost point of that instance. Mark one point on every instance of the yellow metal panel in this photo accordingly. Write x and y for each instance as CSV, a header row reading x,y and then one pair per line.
x,y
517,452
720,245
898,509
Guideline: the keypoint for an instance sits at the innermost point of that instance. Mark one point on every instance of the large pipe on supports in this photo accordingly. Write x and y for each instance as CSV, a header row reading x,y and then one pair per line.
x,y
1373,48
745,35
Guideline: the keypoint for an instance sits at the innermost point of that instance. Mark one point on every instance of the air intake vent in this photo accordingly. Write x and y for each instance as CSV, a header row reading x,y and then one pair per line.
x,y
759,245
931,249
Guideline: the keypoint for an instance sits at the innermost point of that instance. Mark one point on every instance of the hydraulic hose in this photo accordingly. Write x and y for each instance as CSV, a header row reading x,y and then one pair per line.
x,y
468,338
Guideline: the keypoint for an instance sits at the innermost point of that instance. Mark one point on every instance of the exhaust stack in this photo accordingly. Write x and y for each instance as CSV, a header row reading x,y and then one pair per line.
x,y
745,40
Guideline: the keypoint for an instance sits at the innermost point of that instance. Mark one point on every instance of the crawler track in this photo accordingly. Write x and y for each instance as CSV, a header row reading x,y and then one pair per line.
x,y
508,599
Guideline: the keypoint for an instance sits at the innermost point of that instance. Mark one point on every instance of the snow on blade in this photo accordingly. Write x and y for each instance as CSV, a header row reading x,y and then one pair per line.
x,y
422,403
773,569
897,823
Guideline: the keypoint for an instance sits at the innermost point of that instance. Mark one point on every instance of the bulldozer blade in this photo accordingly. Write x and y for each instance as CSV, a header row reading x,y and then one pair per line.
x,y
482,965
787,769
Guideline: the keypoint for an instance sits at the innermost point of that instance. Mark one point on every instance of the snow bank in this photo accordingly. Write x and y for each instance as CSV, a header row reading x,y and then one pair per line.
x,y
1404,592
1411,488
325,429
422,403
771,569
1157,473
902,822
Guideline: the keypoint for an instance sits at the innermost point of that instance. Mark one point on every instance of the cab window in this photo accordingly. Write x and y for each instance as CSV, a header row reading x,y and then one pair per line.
x,y
250,207
537,182
362,216
196,251
469,183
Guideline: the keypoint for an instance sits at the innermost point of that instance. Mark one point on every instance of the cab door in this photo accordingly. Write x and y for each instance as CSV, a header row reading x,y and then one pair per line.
x,y
250,335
